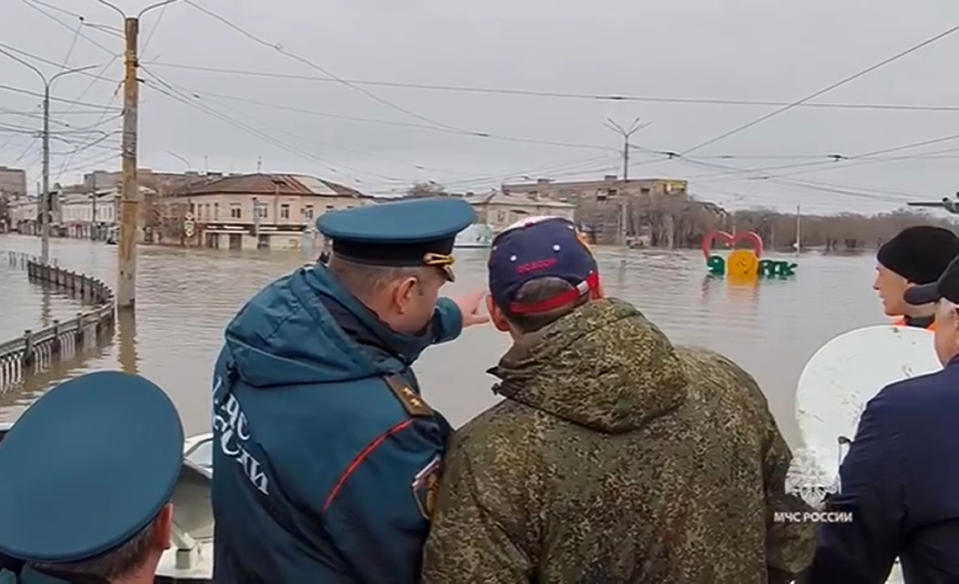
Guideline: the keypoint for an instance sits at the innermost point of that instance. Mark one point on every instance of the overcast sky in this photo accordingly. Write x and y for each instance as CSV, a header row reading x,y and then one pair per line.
x,y
733,50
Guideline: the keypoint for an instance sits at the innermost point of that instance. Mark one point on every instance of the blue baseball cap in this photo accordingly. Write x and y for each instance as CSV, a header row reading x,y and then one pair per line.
x,y
540,247
87,467
413,232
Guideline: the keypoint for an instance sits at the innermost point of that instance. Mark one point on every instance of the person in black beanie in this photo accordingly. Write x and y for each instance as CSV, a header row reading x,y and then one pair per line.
x,y
917,255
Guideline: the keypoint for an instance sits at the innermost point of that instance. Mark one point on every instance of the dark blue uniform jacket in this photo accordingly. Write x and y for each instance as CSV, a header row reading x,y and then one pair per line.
x,y
901,482
322,469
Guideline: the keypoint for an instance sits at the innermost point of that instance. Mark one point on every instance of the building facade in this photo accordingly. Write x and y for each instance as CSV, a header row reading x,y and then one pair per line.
x,y
602,206
92,215
24,212
254,211
499,210
609,187
13,183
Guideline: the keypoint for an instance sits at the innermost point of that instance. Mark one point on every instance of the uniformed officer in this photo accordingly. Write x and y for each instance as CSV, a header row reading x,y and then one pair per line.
x,y
87,475
327,454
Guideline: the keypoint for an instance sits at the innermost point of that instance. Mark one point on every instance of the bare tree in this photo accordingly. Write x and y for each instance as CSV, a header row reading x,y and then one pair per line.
x,y
426,189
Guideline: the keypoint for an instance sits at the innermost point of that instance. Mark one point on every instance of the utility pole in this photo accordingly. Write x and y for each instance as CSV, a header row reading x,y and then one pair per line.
x,y
130,200
93,222
624,201
44,202
798,231
45,197
256,221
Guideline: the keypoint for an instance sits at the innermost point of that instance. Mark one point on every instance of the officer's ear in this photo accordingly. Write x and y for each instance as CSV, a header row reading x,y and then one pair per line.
x,y
403,293
162,528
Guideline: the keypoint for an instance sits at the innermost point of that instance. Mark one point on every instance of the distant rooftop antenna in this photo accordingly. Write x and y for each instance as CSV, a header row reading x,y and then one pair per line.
x,y
259,164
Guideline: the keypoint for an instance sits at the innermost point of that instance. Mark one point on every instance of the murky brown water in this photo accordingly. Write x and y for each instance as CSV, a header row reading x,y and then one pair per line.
x,y
186,297
27,305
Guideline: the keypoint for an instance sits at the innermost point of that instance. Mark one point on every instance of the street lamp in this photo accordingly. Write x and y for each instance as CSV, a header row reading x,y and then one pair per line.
x,y
45,199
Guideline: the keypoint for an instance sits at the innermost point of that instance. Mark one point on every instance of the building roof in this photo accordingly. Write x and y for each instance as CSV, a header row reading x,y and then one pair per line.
x,y
500,198
546,183
270,184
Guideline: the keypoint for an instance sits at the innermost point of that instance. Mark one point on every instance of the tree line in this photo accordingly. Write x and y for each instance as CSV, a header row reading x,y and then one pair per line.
x,y
690,220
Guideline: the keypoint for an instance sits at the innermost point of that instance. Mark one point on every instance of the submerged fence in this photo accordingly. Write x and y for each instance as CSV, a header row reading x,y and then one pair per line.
x,y
38,350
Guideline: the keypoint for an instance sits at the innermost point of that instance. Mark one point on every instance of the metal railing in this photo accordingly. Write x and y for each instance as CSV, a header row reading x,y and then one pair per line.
x,y
37,351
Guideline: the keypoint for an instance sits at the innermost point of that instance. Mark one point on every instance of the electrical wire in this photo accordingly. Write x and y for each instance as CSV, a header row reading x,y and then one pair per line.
x,y
278,48
861,192
841,162
96,76
89,163
97,106
417,166
30,146
562,95
33,4
156,25
169,90
824,90
475,134
73,44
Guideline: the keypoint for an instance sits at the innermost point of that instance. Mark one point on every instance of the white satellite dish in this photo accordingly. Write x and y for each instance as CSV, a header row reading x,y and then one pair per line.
x,y
844,375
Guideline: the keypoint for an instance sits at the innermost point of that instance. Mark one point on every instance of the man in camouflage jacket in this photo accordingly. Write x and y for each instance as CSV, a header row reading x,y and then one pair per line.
x,y
614,457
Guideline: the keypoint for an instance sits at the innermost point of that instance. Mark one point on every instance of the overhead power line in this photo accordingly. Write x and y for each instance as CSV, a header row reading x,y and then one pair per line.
x,y
472,133
97,106
278,48
837,161
165,88
33,4
824,90
560,94
861,192
96,76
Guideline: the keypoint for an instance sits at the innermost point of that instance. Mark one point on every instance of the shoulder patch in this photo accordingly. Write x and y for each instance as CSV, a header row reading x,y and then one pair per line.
x,y
411,401
425,486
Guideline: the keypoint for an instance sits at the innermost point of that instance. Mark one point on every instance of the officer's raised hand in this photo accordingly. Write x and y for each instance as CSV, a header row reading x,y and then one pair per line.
x,y
469,305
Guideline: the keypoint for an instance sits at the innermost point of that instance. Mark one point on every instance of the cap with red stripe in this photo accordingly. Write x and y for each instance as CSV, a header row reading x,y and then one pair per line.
x,y
540,247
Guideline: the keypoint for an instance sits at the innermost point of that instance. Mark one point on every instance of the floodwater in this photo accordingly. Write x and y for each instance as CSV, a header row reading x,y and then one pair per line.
x,y
186,297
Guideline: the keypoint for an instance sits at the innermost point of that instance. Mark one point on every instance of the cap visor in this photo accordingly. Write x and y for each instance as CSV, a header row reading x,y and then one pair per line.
x,y
924,294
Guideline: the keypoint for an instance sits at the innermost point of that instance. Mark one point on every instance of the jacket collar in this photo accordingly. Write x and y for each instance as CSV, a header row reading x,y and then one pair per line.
x,y
361,323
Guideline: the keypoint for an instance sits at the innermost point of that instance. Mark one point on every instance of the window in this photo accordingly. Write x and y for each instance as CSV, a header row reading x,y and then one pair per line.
x,y
216,210
308,212
285,211
236,212
644,190
501,216
329,207
260,210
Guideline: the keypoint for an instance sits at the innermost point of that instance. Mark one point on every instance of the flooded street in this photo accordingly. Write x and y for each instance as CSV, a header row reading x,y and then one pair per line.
x,y
186,297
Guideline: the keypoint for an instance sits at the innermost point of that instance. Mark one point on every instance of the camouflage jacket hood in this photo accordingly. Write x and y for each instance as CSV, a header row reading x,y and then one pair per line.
x,y
604,366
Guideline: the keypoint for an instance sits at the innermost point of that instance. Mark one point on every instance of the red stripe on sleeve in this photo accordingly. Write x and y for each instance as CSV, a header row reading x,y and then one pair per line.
x,y
361,457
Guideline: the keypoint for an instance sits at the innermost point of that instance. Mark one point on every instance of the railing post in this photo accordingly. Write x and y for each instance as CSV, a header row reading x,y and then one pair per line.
x,y
81,331
28,352
55,345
